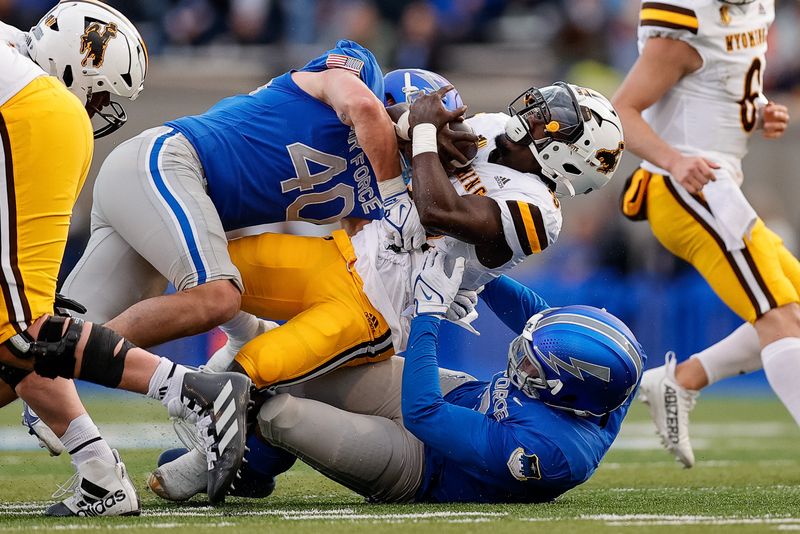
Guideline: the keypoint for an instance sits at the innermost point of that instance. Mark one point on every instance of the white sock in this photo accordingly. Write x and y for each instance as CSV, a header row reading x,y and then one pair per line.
x,y
83,442
737,354
166,382
241,329
782,365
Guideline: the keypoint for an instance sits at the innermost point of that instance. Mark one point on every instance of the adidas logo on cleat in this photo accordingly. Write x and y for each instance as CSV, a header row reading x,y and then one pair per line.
x,y
101,507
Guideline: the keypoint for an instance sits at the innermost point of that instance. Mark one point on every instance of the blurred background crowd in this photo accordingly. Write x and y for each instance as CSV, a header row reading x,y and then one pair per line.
x,y
492,50
415,33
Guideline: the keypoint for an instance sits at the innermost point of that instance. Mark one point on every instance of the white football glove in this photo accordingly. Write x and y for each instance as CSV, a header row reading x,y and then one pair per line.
x,y
402,222
434,290
401,219
463,304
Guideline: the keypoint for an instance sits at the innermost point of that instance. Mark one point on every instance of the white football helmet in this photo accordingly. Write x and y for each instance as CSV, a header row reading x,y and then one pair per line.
x,y
96,51
574,134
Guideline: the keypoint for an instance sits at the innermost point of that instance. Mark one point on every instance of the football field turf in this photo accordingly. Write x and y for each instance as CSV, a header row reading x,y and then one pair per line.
x,y
747,480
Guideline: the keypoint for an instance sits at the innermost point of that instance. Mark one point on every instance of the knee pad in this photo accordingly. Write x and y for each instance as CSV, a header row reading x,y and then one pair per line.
x,y
100,365
54,350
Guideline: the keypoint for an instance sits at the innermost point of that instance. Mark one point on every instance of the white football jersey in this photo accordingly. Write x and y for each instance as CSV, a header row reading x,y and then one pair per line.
x,y
531,217
16,69
713,111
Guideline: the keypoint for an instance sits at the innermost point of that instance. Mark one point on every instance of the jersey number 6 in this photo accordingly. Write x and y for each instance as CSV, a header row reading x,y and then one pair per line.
x,y
752,90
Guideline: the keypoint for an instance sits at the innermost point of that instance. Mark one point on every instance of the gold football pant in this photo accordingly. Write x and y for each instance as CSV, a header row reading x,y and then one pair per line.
x,y
45,155
312,283
761,276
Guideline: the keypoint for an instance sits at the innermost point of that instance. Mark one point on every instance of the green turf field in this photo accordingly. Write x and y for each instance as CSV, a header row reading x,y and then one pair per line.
x,y
747,480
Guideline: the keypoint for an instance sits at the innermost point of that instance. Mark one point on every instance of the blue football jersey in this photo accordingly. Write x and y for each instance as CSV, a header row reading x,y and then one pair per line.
x,y
278,154
488,441
526,451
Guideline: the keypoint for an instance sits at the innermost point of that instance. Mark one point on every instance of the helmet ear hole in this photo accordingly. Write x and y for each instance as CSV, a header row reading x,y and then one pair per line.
x,y
572,169
67,76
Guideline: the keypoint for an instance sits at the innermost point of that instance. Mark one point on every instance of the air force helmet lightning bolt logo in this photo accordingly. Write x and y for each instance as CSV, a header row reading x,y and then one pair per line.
x,y
575,366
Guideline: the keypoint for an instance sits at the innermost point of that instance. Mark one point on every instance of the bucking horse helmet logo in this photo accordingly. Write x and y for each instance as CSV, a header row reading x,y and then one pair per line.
x,y
94,42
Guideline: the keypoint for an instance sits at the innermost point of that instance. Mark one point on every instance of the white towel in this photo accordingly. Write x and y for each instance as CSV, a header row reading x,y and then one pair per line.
x,y
734,216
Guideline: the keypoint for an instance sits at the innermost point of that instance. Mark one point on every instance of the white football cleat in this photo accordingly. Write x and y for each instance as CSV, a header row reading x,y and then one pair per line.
x,y
36,427
182,478
670,404
221,360
100,489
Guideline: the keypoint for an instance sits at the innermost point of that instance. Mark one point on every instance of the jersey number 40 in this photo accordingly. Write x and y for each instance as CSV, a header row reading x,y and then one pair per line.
x,y
306,181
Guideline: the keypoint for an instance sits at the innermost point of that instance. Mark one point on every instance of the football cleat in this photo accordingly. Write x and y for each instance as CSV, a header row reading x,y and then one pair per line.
x,y
221,360
99,489
182,474
36,427
669,404
220,401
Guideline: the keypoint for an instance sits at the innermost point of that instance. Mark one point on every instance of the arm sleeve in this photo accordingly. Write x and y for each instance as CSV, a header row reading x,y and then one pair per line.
x,y
458,432
512,302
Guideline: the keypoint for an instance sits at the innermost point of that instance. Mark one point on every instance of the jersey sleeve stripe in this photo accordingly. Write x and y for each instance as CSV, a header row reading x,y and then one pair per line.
x,y
669,18
529,226
661,6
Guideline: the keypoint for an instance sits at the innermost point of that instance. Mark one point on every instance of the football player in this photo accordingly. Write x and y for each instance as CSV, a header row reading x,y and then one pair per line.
x,y
360,314
689,106
418,433
314,144
92,52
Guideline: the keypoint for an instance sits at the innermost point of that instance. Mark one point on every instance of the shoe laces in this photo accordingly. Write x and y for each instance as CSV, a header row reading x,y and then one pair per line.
x,y
207,435
187,433
68,486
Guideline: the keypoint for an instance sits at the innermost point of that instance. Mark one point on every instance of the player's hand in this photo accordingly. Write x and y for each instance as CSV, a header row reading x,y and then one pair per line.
x,y
428,108
448,138
463,304
776,120
693,172
434,289
402,223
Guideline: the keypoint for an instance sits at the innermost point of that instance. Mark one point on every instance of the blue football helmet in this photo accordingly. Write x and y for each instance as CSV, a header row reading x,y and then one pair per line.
x,y
576,358
404,85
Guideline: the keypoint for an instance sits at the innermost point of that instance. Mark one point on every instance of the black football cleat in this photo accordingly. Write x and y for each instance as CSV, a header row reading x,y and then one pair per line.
x,y
221,401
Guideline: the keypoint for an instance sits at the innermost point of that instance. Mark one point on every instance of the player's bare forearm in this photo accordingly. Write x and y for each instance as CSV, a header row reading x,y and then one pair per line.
x,y
473,219
662,63
375,133
643,141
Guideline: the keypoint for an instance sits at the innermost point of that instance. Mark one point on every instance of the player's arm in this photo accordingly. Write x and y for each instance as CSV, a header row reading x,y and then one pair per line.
x,y
473,219
512,302
448,428
459,433
662,63
469,438
358,107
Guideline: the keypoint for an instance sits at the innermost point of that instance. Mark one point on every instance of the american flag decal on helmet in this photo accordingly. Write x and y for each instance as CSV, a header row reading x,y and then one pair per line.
x,y
340,61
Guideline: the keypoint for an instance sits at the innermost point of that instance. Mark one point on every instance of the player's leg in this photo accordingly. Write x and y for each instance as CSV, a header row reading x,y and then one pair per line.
x,y
751,281
373,389
779,328
110,275
46,151
310,282
152,192
374,456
